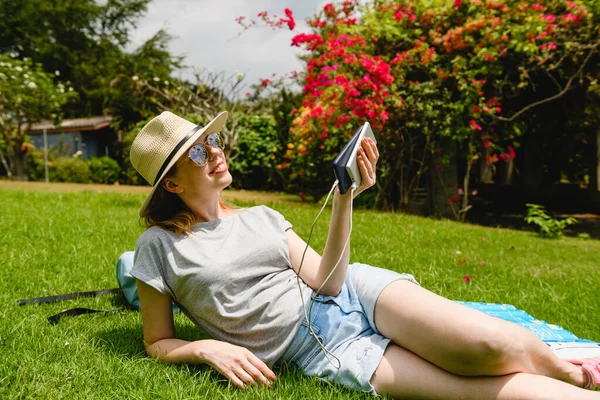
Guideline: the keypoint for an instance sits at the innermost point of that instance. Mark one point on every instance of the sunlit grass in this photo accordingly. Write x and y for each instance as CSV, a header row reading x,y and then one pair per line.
x,y
61,242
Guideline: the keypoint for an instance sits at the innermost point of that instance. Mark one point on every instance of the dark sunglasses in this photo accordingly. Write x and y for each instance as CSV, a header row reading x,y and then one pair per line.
x,y
198,152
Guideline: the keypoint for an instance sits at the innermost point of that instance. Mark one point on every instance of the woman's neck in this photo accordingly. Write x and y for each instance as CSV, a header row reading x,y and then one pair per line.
x,y
207,209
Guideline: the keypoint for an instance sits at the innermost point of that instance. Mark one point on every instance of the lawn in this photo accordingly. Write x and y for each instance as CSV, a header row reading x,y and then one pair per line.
x,y
61,239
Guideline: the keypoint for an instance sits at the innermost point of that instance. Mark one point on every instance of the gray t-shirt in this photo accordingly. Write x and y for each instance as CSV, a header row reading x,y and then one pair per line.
x,y
232,277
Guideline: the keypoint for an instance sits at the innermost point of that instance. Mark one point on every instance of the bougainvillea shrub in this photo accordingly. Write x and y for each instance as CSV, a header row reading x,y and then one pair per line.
x,y
425,72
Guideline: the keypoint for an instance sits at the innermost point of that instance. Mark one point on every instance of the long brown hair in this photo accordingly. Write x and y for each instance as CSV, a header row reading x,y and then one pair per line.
x,y
166,210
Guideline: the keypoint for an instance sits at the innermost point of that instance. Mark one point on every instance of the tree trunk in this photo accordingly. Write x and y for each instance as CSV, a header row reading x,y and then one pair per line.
x,y
5,164
17,163
442,181
533,165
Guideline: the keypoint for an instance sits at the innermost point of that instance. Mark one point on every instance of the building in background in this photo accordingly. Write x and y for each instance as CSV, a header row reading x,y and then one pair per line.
x,y
92,136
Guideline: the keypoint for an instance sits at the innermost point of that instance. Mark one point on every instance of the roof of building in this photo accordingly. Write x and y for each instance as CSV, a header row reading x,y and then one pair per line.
x,y
70,125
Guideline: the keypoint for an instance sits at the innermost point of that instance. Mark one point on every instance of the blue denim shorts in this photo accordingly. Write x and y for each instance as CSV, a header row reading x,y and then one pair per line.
x,y
346,327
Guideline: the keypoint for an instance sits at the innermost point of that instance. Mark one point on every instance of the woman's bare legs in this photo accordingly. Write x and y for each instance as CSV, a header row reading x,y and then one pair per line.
x,y
405,375
462,340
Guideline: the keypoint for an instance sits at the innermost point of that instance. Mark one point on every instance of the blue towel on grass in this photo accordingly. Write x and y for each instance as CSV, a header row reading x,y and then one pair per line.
x,y
564,343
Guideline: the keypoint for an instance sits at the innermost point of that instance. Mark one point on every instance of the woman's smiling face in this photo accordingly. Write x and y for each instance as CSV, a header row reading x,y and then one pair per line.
x,y
212,176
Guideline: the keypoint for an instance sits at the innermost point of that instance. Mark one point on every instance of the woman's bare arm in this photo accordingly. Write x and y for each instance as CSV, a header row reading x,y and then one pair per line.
x,y
234,362
315,269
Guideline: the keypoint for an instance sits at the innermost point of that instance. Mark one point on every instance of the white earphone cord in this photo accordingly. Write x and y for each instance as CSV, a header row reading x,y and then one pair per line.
x,y
327,353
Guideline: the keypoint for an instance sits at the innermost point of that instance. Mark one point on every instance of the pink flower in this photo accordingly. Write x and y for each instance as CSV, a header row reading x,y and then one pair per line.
x,y
550,17
457,3
474,125
467,278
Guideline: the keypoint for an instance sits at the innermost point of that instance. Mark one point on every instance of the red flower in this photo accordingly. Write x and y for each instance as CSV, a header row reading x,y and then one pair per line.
x,y
453,199
313,40
265,82
329,9
290,21
511,152
467,278
457,3
491,159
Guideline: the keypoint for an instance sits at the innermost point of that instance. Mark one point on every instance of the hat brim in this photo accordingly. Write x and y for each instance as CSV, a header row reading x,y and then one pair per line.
x,y
213,126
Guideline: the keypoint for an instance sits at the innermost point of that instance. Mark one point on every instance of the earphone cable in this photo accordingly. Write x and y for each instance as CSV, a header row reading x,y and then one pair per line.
x,y
308,315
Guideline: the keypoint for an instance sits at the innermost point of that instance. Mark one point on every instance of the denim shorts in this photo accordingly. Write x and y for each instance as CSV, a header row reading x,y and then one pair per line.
x,y
345,325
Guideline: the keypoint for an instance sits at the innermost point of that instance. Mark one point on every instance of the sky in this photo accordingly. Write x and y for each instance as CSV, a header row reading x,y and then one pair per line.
x,y
207,35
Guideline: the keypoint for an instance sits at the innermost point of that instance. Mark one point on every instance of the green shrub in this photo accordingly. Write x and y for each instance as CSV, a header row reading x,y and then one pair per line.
x,y
549,227
69,169
256,154
103,170
34,165
129,175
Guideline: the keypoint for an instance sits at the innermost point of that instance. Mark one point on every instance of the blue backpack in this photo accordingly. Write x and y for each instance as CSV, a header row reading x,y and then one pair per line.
x,y
126,281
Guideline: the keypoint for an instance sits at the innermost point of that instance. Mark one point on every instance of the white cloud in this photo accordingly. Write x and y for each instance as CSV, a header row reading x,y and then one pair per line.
x,y
206,34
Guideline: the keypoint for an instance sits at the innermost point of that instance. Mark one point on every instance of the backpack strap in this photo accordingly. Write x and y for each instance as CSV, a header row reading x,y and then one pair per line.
x,y
73,312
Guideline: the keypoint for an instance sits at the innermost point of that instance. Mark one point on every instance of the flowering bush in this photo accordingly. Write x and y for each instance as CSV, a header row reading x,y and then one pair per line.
x,y
426,72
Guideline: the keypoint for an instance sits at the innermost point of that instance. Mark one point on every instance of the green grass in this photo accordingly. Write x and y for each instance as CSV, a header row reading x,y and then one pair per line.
x,y
54,243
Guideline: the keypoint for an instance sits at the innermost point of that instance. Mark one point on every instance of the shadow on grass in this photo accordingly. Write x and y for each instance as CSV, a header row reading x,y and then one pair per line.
x,y
126,342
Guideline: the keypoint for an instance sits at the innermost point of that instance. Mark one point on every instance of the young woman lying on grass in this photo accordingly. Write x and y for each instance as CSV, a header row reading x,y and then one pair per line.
x,y
234,273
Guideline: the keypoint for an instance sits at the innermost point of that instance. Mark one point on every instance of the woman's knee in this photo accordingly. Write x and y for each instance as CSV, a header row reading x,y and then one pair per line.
x,y
496,350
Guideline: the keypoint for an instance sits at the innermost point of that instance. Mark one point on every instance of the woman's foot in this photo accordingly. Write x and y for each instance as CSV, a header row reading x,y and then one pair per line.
x,y
591,369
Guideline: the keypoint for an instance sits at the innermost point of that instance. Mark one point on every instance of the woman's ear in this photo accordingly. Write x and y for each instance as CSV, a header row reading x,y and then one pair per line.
x,y
171,186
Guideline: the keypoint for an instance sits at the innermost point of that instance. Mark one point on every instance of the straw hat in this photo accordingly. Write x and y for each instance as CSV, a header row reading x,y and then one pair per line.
x,y
162,141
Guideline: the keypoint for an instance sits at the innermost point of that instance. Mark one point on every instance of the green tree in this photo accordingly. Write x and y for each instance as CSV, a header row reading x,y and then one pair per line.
x,y
83,42
27,94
